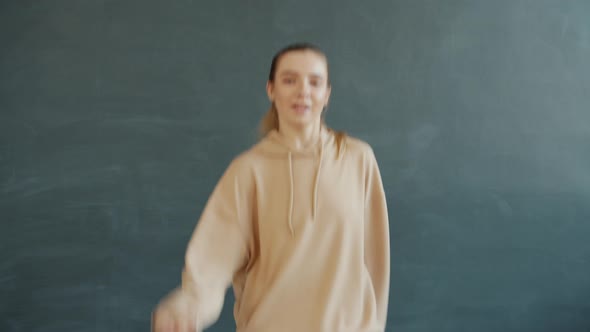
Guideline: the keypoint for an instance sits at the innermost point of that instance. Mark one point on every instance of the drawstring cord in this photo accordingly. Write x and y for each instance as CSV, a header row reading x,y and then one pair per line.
x,y
291,196
317,180
315,190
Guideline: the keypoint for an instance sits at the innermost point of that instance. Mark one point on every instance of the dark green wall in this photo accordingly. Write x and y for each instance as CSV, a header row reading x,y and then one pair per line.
x,y
118,117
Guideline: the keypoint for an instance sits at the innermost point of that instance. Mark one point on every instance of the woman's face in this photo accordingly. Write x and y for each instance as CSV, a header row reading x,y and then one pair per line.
x,y
300,89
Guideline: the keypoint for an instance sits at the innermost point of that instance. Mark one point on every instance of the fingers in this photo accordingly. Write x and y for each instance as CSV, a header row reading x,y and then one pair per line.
x,y
164,321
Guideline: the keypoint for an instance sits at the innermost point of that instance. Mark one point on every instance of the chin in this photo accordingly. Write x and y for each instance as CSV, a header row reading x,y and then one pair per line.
x,y
302,123
301,120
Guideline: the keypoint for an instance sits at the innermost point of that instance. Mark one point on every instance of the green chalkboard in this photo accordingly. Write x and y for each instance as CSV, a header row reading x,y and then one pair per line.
x,y
118,117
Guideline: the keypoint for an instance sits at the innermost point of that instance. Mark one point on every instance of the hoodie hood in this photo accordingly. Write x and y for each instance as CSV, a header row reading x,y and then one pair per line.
x,y
277,145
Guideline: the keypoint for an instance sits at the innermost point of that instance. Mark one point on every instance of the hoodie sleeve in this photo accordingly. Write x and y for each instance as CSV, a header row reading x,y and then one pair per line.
x,y
217,249
377,254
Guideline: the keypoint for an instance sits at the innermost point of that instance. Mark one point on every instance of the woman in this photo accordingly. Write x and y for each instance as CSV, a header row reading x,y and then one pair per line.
x,y
298,223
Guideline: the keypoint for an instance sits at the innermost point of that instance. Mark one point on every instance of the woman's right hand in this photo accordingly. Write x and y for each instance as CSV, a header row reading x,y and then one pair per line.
x,y
169,316
163,321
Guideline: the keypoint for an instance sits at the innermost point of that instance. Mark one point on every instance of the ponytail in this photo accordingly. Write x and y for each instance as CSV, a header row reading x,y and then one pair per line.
x,y
269,122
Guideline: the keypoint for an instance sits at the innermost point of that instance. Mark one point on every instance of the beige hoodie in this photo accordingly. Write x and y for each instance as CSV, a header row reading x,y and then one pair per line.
x,y
302,235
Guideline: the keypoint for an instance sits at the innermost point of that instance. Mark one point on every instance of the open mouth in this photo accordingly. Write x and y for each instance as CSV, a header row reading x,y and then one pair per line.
x,y
301,108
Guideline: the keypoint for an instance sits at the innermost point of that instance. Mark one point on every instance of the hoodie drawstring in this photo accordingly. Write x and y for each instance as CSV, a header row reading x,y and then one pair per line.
x,y
317,180
315,190
291,195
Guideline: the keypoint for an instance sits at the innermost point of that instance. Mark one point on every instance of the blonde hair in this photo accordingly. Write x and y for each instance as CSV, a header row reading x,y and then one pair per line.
x,y
270,121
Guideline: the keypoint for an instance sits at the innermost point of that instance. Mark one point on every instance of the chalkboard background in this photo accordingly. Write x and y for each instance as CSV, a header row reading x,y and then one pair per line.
x,y
118,117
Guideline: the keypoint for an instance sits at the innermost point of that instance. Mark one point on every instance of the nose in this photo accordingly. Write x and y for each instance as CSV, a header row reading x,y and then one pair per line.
x,y
304,88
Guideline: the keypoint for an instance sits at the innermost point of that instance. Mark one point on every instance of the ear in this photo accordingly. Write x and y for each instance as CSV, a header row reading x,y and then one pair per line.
x,y
269,90
328,92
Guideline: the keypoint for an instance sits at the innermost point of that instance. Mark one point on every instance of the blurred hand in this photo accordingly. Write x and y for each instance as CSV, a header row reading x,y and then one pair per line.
x,y
164,320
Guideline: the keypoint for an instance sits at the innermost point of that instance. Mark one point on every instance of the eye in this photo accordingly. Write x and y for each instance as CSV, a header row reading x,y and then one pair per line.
x,y
315,82
288,80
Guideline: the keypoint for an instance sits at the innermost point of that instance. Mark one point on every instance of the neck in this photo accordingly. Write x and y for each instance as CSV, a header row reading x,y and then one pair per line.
x,y
302,137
